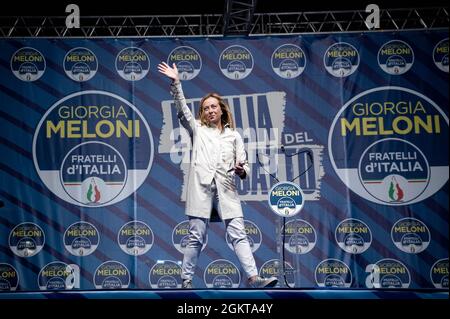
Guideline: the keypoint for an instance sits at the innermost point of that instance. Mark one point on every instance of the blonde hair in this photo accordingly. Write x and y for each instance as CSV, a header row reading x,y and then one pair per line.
x,y
226,119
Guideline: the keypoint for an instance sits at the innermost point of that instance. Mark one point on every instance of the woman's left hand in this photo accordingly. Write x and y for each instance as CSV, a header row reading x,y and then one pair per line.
x,y
239,170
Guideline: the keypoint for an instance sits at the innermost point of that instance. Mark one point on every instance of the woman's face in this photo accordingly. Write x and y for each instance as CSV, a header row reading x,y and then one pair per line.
x,y
212,110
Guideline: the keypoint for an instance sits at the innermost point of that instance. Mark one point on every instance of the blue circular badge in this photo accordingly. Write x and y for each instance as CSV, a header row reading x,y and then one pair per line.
x,y
439,273
387,176
111,275
188,61
80,64
410,235
26,239
388,273
333,273
300,236
135,238
288,61
286,199
165,274
440,55
395,57
132,64
28,64
57,275
353,236
81,239
91,179
222,273
83,141
341,59
236,62
391,160
9,277
273,268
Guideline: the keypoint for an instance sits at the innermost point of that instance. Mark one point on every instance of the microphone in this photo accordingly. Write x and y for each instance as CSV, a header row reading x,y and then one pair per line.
x,y
282,148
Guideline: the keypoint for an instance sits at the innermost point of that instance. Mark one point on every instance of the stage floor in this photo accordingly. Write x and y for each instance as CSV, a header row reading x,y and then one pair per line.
x,y
232,294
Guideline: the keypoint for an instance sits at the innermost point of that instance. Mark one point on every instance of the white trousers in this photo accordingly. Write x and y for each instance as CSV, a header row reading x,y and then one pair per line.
x,y
197,236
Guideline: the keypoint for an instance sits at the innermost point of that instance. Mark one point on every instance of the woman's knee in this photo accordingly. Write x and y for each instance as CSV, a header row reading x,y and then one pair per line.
x,y
197,230
236,230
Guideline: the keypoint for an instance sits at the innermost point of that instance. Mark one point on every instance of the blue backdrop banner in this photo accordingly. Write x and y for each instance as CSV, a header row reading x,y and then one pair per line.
x,y
94,163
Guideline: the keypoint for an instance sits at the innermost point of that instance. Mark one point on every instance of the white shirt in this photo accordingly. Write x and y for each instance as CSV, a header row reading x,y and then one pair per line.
x,y
214,154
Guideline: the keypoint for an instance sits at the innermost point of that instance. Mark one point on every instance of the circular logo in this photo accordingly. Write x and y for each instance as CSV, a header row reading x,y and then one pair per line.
x,y
57,275
386,176
9,277
341,59
188,61
80,64
96,181
165,274
180,236
272,268
135,238
439,273
286,199
333,273
389,273
99,172
254,236
395,57
288,61
111,275
26,239
300,236
236,62
132,64
222,273
28,64
353,236
81,239
410,235
383,165
440,55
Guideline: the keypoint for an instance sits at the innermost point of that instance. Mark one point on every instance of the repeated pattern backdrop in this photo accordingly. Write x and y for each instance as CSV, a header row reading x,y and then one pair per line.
x,y
93,162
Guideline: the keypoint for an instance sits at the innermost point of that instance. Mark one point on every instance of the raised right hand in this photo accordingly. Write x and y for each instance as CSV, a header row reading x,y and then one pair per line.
x,y
171,72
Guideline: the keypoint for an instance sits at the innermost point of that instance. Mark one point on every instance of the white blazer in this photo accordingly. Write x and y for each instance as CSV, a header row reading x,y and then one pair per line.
x,y
214,153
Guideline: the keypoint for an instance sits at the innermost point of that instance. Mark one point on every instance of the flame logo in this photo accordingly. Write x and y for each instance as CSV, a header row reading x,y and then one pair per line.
x,y
395,192
94,192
